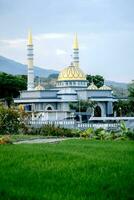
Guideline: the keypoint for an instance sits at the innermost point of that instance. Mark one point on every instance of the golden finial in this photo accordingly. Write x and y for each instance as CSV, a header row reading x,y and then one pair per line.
x,y
30,40
75,43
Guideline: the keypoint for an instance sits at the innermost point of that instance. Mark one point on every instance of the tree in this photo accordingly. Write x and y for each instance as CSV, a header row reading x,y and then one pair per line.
x,y
131,91
10,86
131,96
97,80
51,76
122,108
82,105
126,107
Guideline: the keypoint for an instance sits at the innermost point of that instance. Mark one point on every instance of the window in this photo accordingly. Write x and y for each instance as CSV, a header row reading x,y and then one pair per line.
x,y
49,108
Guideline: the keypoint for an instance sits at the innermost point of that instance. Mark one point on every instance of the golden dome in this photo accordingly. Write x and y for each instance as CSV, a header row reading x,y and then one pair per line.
x,y
39,87
92,86
71,73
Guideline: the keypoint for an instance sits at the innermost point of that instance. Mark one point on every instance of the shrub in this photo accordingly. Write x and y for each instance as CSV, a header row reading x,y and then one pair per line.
x,y
98,130
51,130
123,127
87,133
130,134
9,121
5,140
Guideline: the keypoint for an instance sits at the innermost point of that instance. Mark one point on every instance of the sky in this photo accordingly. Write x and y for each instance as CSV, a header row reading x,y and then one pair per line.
x,y
105,31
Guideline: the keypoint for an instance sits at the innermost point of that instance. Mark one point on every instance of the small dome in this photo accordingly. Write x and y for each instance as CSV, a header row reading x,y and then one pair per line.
x,y
71,73
39,87
21,107
105,87
92,86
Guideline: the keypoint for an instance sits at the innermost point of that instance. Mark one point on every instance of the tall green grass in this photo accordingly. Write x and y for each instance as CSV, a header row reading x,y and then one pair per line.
x,y
70,170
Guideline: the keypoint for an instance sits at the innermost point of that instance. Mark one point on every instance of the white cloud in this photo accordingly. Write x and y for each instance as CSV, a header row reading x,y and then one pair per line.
x,y
39,37
60,52
109,54
13,43
47,36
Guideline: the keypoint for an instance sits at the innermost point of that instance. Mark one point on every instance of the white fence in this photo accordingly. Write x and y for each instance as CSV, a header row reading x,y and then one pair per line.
x,y
103,122
74,125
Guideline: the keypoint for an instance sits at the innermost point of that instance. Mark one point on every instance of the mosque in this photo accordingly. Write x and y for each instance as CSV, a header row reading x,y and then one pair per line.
x,y
71,87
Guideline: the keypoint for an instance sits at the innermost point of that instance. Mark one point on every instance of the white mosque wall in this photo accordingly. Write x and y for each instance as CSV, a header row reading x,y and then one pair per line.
x,y
68,97
82,94
39,94
50,116
99,93
109,108
44,106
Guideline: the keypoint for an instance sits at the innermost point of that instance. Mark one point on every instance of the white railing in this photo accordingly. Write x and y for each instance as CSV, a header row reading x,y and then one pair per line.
x,y
73,124
111,119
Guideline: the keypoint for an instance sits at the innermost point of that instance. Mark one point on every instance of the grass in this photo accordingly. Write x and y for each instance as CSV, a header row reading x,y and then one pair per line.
x,y
71,170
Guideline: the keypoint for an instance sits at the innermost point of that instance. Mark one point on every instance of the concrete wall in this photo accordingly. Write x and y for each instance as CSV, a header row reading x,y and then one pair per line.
x,y
109,108
50,116
39,94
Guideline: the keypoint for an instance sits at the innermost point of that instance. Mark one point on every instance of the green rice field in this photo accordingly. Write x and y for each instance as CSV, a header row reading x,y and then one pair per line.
x,y
76,169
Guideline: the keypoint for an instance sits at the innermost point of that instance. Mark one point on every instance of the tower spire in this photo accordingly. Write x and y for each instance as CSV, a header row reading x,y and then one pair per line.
x,y
30,79
75,43
30,39
75,51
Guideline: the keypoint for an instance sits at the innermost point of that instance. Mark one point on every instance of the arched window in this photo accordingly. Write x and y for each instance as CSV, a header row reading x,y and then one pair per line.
x,y
49,107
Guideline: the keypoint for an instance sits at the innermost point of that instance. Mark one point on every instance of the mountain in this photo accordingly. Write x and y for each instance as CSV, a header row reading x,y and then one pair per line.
x,y
12,67
117,84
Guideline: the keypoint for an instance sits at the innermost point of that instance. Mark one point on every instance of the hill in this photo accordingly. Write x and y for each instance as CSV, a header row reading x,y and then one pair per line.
x,y
15,68
117,84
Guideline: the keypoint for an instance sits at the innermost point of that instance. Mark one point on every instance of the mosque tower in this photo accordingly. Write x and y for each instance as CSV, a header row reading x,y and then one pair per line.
x,y
75,51
30,81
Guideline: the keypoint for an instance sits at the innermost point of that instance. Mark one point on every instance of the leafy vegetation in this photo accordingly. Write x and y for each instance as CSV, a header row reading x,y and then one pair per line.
x,y
97,80
16,122
10,86
9,120
70,170
51,130
126,107
5,140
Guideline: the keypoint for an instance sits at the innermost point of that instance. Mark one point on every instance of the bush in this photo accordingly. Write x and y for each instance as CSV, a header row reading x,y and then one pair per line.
x,y
130,134
5,140
97,131
87,133
51,130
9,121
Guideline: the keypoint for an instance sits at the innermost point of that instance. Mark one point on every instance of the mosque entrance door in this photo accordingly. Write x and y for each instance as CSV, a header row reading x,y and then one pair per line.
x,y
97,111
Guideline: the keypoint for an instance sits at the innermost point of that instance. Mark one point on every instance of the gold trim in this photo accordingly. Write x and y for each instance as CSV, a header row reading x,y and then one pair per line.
x,y
71,73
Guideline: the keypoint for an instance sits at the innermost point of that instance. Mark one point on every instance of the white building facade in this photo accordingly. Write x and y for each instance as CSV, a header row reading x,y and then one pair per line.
x,y
71,87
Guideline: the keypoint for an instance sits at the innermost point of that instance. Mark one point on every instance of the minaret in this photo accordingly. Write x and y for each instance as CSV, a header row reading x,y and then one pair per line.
x,y
75,51
30,78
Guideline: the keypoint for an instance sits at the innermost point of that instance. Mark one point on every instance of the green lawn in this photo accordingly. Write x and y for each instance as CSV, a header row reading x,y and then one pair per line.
x,y
70,170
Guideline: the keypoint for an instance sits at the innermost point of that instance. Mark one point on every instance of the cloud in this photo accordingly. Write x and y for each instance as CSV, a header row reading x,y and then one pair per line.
x,y
39,37
47,36
60,52
107,53
13,43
